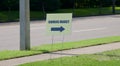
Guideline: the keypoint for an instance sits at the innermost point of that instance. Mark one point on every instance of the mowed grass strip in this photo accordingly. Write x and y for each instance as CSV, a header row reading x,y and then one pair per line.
x,y
9,54
113,53
77,44
82,60
108,58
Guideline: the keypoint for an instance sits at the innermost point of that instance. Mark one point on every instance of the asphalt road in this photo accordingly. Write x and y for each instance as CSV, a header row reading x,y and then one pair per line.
x,y
82,28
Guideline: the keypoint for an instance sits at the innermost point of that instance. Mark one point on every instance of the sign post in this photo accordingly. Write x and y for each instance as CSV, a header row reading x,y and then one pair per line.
x,y
58,24
24,25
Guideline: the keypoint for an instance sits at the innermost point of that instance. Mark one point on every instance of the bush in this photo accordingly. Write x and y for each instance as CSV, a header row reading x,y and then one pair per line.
x,y
47,5
3,17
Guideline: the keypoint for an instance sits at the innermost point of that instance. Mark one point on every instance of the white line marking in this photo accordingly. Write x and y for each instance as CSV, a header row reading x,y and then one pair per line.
x,y
85,30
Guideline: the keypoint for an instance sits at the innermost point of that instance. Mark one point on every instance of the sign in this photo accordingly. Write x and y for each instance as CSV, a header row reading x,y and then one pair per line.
x,y
59,24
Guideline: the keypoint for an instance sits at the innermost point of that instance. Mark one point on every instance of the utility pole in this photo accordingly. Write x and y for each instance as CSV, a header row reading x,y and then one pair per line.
x,y
113,6
24,25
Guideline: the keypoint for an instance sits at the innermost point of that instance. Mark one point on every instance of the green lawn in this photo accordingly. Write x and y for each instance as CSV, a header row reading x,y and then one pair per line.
x,y
38,15
111,53
67,45
108,58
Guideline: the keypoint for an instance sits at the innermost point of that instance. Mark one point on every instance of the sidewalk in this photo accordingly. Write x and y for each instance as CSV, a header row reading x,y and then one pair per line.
x,y
72,52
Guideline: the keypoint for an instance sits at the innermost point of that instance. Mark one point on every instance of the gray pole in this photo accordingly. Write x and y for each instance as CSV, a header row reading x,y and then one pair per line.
x,y
24,25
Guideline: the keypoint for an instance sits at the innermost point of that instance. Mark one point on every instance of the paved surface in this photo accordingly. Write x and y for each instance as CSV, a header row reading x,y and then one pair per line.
x,y
83,28
72,52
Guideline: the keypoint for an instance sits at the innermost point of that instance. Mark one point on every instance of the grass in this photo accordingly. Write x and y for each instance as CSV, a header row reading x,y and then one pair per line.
x,y
67,45
9,16
77,44
38,15
115,53
82,60
108,58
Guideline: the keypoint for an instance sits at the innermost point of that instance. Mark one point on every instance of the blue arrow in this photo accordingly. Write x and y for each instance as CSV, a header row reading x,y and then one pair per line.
x,y
57,29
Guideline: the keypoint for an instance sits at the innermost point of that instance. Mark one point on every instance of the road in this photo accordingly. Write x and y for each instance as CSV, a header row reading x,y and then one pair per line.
x,y
82,28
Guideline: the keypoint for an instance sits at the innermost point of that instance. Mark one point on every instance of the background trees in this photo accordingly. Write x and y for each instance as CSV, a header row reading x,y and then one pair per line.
x,y
49,5
9,4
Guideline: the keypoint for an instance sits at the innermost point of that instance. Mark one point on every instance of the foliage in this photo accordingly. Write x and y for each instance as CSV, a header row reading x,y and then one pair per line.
x,y
9,4
35,4
49,5
6,16
67,3
2,17
87,3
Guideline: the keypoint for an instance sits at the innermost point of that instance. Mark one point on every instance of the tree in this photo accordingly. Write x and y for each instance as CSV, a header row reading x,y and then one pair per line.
x,y
35,4
47,5
9,4
113,6
67,4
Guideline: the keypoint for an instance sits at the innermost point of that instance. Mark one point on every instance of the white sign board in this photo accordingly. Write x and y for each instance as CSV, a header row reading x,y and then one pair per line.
x,y
59,24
